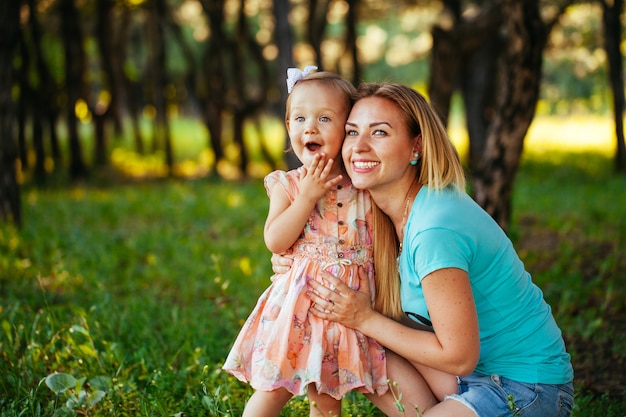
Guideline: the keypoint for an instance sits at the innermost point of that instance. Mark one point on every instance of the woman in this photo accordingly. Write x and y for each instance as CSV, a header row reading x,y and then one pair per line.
x,y
467,332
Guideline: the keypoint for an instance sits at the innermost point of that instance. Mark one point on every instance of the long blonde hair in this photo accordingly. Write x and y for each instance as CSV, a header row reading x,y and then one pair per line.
x,y
439,167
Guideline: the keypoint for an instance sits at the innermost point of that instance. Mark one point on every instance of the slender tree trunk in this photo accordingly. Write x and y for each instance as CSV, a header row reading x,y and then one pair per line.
x,y
284,40
213,90
106,35
24,101
10,203
454,47
351,38
159,81
131,92
611,15
250,82
74,59
103,112
316,25
45,108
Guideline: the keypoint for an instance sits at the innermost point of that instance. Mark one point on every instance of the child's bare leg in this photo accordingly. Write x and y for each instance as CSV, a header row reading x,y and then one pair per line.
x,y
266,403
325,405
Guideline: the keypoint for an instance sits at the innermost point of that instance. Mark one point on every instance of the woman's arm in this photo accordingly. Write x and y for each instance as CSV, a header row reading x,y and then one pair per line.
x,y
454,347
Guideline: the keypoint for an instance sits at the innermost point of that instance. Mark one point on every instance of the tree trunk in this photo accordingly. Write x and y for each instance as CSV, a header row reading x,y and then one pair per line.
x,y
284,41
45,109
456,42
611,14
103,112
10,204
158,62
212,90
24,101
74,60
131,92
517,92
316,25
111,58
497,57
478,87
351,38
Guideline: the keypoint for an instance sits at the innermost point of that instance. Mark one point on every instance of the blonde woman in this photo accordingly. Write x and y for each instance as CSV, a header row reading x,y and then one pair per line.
x,y
467,332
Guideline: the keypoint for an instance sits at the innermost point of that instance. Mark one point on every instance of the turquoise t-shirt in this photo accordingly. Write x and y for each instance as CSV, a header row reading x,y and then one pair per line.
x,y
519,337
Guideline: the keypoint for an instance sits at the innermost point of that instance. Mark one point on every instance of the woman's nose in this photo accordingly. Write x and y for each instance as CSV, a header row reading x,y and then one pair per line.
x,y
359,143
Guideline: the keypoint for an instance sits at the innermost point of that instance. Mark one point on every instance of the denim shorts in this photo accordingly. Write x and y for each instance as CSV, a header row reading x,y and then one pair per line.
x,y
496,396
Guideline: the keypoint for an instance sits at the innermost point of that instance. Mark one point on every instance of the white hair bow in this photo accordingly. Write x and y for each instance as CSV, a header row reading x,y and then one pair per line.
x,y
294,75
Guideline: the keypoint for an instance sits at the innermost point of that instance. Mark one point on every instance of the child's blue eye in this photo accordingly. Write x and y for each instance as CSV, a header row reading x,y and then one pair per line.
x,y
324,119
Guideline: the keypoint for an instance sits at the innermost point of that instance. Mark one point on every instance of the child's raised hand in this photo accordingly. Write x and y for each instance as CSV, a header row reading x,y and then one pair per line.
x,y
314,181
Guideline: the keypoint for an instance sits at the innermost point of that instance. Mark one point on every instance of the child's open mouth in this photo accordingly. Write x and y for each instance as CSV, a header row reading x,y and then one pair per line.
x,y
312,146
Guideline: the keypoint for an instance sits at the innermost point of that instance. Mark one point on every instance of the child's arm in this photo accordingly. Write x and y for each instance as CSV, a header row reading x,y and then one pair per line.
x,y
285,220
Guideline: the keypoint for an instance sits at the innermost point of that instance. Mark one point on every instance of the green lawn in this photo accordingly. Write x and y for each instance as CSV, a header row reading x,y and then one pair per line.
x,y
136,291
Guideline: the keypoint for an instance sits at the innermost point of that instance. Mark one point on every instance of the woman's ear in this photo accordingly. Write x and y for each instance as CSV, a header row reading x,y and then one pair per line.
x,y
417,146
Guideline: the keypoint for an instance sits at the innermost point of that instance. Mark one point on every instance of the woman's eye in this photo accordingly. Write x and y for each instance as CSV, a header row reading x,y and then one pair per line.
x,y
379,132
351,133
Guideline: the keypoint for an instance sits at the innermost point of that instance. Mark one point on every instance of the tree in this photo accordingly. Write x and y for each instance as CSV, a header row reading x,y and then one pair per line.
x,y
501,52
10,205
611,15
45,110
158,14
284,40
74,59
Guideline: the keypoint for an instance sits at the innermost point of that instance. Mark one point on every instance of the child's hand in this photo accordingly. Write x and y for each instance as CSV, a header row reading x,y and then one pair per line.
x,y
314,181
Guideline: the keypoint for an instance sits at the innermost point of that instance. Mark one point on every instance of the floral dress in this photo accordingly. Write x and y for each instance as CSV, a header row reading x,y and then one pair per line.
x,y
282,344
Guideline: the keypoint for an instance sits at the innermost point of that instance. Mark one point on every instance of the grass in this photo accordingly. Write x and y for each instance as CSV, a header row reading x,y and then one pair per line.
x,y
134,293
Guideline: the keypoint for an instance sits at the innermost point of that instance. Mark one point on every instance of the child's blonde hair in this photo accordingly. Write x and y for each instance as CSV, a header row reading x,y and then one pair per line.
x,y
344,87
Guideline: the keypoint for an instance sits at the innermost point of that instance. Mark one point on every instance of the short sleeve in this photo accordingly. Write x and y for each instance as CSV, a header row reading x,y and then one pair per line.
x,y
288,181
440,248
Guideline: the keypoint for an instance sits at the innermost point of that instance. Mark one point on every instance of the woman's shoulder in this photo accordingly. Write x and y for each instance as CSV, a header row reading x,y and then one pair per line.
x,y
448,207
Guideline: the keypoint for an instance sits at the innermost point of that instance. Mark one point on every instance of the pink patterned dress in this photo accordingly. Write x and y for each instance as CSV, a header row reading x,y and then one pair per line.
x,y
282,344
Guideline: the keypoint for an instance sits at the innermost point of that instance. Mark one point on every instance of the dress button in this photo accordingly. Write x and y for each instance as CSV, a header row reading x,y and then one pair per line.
x,y
339,204
340,222
340,255
339,187
341,241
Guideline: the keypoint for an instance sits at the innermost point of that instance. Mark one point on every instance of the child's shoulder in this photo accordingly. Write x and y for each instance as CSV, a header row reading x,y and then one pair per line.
x,y
280,175
287,180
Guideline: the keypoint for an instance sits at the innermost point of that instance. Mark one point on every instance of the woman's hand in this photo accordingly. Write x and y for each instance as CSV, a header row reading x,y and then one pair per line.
x,y
281,264
338,302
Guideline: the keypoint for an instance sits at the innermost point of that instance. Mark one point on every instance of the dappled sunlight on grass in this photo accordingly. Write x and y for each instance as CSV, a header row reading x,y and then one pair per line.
x,y
552,134
572,134
193,158
548,136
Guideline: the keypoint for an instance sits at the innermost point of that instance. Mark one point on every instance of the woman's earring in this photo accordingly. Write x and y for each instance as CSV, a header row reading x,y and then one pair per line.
x,y
414,161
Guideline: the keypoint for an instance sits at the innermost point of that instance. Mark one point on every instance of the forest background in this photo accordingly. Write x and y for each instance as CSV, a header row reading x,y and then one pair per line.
x,y
106,273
